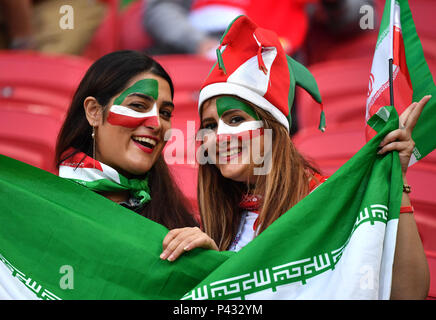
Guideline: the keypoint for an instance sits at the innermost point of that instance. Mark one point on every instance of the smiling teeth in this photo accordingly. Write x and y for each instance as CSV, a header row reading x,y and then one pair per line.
x,y
231,152
143,139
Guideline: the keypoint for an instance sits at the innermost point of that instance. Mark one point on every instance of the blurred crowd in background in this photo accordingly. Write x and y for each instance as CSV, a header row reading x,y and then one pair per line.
x,y
172,26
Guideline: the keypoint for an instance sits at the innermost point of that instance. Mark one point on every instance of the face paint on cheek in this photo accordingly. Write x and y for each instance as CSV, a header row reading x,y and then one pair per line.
x,y
245,130
126,117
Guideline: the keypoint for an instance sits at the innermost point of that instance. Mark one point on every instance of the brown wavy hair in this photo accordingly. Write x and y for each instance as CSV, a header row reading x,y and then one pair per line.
x,y
283,187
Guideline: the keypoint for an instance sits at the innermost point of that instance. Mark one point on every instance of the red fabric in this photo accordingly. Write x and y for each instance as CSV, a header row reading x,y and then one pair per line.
x,y
408,209
80,160
287,18
316,181
241,46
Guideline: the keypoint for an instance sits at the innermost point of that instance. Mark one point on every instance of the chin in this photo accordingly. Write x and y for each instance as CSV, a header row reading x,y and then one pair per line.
x,y
234,172
137,168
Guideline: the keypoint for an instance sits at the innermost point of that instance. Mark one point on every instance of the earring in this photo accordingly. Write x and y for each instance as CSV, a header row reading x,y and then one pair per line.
x,y
93,144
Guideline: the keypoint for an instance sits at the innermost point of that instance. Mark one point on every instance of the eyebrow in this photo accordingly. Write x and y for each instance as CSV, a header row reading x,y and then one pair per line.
x,y
146,97
140,95
207,119
231,111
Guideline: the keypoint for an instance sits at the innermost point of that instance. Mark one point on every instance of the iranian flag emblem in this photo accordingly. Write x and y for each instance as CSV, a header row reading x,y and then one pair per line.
x,y
389,68
400,75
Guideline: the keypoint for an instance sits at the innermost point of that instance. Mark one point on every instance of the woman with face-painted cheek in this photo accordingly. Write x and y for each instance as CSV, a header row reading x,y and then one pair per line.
x,y
113,136
253,80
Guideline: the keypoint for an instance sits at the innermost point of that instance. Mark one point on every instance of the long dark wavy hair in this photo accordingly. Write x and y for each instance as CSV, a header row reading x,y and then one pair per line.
x,y
107,77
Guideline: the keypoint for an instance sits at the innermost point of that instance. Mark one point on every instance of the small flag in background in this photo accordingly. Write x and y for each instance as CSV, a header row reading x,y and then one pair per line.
x,y
410,76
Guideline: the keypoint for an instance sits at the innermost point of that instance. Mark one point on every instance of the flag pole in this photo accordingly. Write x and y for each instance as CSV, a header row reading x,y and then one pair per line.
x,y
391,82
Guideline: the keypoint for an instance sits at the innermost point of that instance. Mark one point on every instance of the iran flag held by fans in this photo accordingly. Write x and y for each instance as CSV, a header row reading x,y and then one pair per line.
x,y
407,80
390,46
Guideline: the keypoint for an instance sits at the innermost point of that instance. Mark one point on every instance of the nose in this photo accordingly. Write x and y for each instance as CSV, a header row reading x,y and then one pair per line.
x,y
152,122
152,119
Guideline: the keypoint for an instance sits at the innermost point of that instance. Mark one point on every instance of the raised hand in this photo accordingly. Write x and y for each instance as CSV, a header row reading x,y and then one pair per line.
x,y
401,139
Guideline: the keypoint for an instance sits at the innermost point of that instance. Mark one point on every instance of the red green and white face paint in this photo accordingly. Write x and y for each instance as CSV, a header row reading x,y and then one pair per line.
x,y
120,115
234,139
243,130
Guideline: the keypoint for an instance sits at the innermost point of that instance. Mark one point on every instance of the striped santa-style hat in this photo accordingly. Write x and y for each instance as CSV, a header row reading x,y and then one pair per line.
x,y
252,65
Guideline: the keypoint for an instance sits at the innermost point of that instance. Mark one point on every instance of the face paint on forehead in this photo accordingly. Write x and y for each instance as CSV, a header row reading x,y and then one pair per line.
x,y
230,103
149,87
126,117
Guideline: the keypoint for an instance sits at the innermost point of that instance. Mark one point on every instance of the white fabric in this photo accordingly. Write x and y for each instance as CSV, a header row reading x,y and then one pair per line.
x,y
359,263
213,18
245,231
249,75
226,88
89,174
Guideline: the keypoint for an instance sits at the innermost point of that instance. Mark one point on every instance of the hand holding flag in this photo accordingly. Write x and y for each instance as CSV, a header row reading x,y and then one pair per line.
x,y
401,139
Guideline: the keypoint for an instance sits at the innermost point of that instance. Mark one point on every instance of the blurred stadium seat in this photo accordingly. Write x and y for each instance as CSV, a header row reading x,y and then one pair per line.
x,y
35,92
188,73
54,74
331,148
343,85
29,137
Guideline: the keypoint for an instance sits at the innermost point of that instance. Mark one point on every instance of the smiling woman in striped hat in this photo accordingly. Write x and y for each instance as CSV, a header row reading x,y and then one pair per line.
x,y
112,139
248,93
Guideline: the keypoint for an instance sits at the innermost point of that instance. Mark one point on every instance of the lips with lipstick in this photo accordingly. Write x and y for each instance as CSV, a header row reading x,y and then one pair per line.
x,y
145,143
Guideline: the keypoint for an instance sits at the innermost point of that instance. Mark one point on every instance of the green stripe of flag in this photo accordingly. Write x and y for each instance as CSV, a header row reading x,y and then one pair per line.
x,y
422,83
47,222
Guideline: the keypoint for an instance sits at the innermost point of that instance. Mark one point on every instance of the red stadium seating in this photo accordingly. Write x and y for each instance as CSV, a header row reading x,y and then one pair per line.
x,y
333,147
29,136
188,73
35,92
57,74
343,85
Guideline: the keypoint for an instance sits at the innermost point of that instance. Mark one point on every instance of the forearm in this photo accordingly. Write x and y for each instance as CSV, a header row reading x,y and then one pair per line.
x,y
411,277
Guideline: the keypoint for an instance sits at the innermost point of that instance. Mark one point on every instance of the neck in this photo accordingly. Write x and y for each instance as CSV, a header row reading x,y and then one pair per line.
x,y
116,196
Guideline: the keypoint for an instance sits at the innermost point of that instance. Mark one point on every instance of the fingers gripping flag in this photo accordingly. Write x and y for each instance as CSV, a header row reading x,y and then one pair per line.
x,y
398,42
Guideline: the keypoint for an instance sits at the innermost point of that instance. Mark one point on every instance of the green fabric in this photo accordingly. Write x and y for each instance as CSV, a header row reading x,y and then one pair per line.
x,y
300,76
47,222
422,83
138,187
316,225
